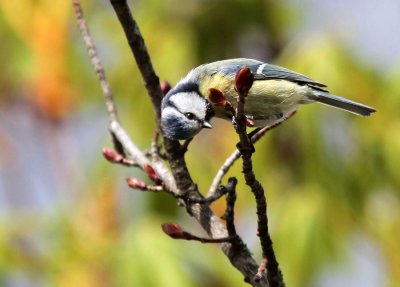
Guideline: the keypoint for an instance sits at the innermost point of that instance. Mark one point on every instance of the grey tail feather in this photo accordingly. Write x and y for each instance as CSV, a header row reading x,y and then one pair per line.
x,y
342,103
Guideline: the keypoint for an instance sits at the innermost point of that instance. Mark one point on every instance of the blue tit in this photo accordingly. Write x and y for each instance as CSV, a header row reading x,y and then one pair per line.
x,y
276,92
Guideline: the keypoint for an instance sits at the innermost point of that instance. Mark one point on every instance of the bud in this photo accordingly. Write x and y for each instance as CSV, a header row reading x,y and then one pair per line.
x,y
249,122
230,108
111,155
136,183
243,81
173,230
152,174
216,97
165,87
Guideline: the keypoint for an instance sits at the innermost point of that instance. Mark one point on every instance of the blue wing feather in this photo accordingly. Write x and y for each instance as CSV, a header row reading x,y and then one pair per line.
x,y
276,72
229,68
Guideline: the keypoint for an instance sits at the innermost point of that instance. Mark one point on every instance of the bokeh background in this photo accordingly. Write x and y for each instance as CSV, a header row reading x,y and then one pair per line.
x,y
332,179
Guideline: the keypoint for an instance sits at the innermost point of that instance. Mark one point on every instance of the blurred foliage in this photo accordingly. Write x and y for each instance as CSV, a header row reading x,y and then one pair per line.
x,y
329,176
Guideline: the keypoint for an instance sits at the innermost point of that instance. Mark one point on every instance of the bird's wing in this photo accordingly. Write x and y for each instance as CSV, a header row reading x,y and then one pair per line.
x,y
260,70
267,72
229,68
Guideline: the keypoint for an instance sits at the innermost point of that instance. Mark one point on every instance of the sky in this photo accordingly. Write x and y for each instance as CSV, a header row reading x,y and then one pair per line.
x,y
369,27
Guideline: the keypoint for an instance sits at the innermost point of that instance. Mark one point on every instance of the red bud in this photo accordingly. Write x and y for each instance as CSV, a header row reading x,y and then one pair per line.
x,y
229,108
152,174
136,183
217,97
243,81
165,87
111,155
173,230
249,122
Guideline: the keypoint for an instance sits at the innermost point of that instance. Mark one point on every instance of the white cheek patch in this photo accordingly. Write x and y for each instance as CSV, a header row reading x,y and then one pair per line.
x,y
190,103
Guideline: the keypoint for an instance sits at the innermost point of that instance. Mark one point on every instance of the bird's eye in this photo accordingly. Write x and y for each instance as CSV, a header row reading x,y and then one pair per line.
x,y
190,116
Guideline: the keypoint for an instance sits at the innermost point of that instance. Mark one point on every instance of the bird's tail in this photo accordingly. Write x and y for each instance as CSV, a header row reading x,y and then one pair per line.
x,y
342,103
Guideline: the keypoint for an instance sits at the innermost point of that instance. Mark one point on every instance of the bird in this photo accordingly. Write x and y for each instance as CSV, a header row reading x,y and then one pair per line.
x,y
276,93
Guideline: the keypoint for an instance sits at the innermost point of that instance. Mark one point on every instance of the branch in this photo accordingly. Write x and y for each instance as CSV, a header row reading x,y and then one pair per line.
x,y
111,108
120,136
115,157
179,181
236,155
138,184
229,214
220,191
139,50
243,82
222,171
176,232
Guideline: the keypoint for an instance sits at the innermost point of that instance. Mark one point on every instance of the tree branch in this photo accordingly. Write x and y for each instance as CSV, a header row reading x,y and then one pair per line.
x,y
229,214
109,99
179,181
236,155
115,157
139,50
243,82
176,232
118,132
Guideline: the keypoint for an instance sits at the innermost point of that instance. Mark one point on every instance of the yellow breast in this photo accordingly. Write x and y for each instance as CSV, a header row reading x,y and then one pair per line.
x,y
267,99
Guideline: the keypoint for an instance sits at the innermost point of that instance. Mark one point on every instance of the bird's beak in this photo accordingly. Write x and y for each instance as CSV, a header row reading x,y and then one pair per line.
x,y
207,125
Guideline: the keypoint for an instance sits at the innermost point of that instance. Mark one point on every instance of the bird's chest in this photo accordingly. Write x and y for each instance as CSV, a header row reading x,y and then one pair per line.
x,y
267,101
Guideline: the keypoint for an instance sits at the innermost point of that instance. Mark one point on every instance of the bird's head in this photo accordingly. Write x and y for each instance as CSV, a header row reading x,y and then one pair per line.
x,y
185,112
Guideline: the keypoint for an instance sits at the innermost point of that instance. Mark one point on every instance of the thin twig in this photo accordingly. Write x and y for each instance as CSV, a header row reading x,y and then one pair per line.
x,y
222,171
221,191
243,82
152,83
115,157
229,214
135,183
236,155
94,58
139,50
175,231
116,129
154,147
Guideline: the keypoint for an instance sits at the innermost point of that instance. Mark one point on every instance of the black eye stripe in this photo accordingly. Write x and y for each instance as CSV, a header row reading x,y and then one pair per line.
x,y
172,105
191,116
187,87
